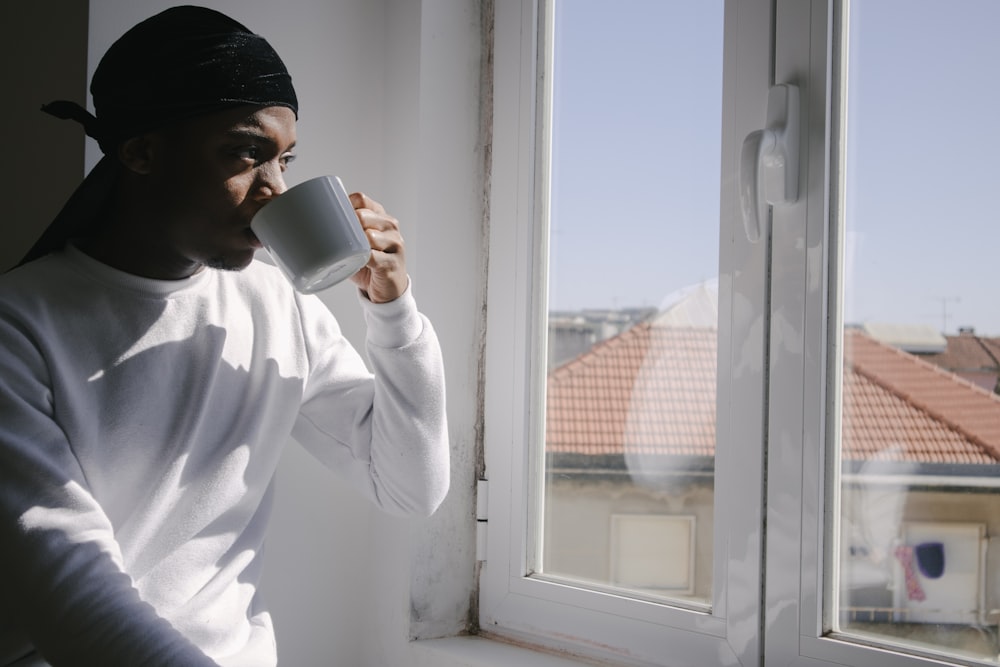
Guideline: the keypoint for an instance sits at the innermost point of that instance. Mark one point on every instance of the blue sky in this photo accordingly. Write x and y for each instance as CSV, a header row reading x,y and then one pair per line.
x,y
635,209
924,162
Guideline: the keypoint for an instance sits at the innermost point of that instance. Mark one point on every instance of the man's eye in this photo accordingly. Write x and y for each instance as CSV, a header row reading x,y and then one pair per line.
x,y
246,153
287,159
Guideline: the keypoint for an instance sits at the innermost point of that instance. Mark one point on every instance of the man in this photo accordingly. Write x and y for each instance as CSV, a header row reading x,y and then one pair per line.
x,y
150,369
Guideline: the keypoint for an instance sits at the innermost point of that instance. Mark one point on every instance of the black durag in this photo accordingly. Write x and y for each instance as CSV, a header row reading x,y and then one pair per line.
x,y
182,63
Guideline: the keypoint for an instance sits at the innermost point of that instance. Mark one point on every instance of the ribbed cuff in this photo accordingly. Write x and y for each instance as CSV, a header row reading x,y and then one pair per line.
x,y
393,324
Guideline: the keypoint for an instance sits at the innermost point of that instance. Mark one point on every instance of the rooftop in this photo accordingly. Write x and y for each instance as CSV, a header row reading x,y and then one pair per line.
x,y
651,390
973,357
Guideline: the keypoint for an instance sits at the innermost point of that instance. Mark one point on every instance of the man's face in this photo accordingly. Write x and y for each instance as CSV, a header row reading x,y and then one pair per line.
x,y
208,178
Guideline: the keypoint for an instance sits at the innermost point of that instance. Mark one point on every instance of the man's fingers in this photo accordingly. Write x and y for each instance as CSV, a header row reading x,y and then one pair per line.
x,y
381,229
384,241
360,200
384,278
380,221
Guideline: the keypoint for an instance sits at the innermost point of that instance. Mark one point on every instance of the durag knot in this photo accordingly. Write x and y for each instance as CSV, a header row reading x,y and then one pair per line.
x,y
66,110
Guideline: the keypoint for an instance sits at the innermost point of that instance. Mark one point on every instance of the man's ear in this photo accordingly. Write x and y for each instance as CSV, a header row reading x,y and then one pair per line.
x,y
137,153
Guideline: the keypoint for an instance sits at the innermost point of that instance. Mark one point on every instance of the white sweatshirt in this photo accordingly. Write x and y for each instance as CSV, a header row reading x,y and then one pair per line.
x,y
141,422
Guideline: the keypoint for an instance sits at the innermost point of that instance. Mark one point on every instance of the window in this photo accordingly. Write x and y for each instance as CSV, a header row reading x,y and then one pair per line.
x,y
918,443
755,549
559,571
632,287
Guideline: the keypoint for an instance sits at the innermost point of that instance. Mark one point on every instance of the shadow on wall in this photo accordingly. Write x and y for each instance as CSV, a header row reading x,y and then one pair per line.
x,y
45,155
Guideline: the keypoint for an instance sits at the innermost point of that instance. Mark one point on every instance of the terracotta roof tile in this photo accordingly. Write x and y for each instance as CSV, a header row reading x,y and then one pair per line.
x,y
651,390
880,426
610,400
974,358
967,409
968,352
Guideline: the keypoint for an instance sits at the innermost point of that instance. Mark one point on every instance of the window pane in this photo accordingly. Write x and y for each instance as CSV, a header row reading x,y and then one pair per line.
x,y
633,298
652,553
919,555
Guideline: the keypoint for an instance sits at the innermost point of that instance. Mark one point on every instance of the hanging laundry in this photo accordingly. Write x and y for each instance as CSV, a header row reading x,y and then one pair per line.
x,y
914,591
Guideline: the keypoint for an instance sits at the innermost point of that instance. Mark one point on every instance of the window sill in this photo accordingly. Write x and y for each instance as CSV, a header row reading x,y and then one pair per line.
x,y
479,652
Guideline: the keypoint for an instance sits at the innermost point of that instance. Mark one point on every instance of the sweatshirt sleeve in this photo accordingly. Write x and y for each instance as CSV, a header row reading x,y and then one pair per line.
x,y
61,579
384,432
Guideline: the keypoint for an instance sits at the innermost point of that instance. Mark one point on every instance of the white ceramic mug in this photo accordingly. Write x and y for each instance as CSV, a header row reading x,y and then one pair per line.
x,y
313,234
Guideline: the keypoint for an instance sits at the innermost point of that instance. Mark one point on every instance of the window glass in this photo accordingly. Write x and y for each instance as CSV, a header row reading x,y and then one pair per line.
x,y
653,552
633,297
918,557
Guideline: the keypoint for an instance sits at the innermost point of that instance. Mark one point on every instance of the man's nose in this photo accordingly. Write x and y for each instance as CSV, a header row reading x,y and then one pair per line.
x,y
271,182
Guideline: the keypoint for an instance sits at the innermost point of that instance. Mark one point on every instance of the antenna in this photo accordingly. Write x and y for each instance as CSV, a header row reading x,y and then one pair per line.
x,y
945,300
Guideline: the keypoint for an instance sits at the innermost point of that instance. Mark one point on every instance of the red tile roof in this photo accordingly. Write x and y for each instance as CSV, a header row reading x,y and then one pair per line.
x,y
968,352
971,414
594,408
975,358
896,407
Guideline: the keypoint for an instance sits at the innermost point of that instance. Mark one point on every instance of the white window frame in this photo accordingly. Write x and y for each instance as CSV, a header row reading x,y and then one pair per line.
x,y
805,362
780,392
554,614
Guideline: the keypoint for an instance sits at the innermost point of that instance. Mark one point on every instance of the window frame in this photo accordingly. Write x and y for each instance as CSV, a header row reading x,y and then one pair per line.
x,y
800,366
554,614
805,371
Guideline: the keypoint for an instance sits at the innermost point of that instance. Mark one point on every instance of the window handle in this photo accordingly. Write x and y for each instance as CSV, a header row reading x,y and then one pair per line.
x,y
769,161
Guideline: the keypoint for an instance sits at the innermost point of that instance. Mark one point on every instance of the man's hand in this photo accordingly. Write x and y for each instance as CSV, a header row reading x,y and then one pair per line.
x,y
384,277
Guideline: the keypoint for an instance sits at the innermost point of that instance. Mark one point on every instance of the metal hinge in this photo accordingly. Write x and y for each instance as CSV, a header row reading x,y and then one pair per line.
x,y
482,514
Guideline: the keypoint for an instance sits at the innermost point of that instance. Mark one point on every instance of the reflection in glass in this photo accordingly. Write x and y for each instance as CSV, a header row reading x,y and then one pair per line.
x,y
633,297
919,507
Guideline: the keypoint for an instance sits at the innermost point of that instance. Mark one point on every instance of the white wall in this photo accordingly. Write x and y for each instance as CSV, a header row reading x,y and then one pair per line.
x,y
389,101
